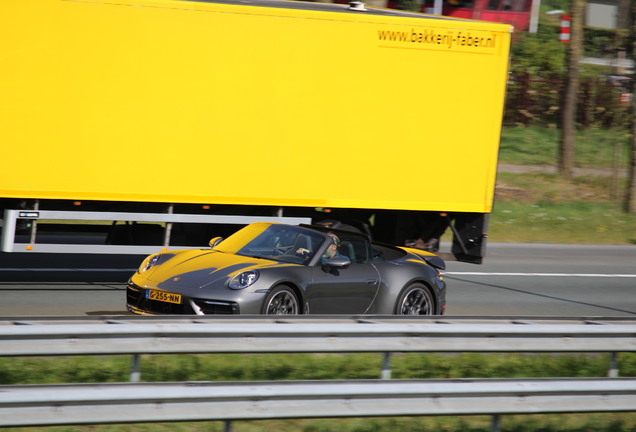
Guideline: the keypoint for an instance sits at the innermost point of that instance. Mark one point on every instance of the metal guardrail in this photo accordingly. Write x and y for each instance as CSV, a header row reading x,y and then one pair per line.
x,y
198,401
44,405
368,334
11,217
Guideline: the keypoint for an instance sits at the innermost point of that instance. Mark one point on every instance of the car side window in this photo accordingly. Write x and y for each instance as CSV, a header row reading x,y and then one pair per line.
x,y
356,248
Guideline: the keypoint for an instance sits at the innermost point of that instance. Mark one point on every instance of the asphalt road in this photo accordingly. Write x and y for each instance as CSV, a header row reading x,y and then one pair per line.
x,y
545,280
516,280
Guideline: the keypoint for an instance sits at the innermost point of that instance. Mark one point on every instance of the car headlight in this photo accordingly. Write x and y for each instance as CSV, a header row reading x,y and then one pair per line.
x,y
149,263
244,279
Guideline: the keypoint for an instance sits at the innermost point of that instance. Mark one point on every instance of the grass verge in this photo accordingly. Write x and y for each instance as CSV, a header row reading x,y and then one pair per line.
x,y
539,146
544,208
567,223
261,367
606,422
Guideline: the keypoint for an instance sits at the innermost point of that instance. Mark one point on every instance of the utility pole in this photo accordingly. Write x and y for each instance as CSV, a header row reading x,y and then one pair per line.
x,y
568,119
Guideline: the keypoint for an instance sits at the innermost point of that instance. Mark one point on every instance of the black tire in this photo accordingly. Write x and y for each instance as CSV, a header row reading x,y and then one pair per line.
x,y
416,299
281,300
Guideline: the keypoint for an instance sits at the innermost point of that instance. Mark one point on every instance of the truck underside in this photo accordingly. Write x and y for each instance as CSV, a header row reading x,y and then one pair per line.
x,y
425,230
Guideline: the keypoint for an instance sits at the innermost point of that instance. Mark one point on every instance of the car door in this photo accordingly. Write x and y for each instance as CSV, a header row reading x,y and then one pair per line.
x,y
348,290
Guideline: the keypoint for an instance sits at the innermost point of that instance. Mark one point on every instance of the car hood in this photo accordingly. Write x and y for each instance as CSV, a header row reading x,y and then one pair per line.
x,y
200,269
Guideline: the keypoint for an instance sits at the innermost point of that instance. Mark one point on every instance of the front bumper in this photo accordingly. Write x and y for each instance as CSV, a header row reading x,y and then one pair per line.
x,y
138,303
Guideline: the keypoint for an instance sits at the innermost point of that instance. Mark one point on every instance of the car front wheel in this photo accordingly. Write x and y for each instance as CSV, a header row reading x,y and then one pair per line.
x,y
416,299
281,300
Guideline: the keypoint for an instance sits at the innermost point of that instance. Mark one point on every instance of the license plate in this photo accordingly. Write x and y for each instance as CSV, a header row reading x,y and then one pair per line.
x,y
163,296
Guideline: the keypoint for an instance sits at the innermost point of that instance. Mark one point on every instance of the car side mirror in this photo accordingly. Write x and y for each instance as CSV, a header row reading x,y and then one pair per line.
x,y
215,241
337,262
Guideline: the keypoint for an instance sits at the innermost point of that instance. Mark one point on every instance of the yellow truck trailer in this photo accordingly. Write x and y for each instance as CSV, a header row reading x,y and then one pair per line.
x,y
250,108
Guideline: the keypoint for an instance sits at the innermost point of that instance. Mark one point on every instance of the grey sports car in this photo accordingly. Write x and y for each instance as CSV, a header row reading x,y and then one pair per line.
x,y
279,269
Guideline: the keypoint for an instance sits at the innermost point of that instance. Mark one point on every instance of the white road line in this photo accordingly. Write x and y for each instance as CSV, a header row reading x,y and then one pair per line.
x,y
597,275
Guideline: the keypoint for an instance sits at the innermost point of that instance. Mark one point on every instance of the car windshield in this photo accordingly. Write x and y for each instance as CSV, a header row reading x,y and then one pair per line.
x,y
284,243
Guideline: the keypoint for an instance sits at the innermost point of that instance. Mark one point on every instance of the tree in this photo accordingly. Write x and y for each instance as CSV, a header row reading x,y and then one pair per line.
x,y
568,123
630,198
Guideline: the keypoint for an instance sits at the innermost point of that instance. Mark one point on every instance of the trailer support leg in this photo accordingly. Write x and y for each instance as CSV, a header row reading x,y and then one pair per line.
x,y
168,231
34,226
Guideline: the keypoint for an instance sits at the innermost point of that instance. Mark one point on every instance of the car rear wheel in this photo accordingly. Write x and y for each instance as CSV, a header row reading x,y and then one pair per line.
x,y
281,300
416,299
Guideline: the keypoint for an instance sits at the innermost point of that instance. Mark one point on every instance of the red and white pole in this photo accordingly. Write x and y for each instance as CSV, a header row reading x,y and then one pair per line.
x,y
564,36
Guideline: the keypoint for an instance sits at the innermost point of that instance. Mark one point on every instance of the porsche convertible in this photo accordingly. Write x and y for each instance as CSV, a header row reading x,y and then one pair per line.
x,y
278,269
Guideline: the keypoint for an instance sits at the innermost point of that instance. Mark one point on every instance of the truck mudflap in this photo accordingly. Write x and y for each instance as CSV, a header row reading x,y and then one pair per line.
x,y
469,237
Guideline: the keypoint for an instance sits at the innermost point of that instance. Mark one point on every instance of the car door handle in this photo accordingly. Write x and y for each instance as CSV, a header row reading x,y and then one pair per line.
x,y
372,281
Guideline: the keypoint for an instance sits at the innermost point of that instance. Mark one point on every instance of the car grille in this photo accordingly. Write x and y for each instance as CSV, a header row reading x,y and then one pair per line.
x,y
209,307
136,299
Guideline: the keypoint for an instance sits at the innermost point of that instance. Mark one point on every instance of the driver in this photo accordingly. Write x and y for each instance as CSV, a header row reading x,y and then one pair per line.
x,y
332,250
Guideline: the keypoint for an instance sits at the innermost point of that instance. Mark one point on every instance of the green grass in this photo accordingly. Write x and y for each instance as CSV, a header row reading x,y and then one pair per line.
x,y
262,367
610,422
569,223
545,208
594,148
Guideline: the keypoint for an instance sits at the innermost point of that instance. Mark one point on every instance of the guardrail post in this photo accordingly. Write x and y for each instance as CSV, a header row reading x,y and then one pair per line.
x,y
386,366
227,426
495,423
613,371
135,372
